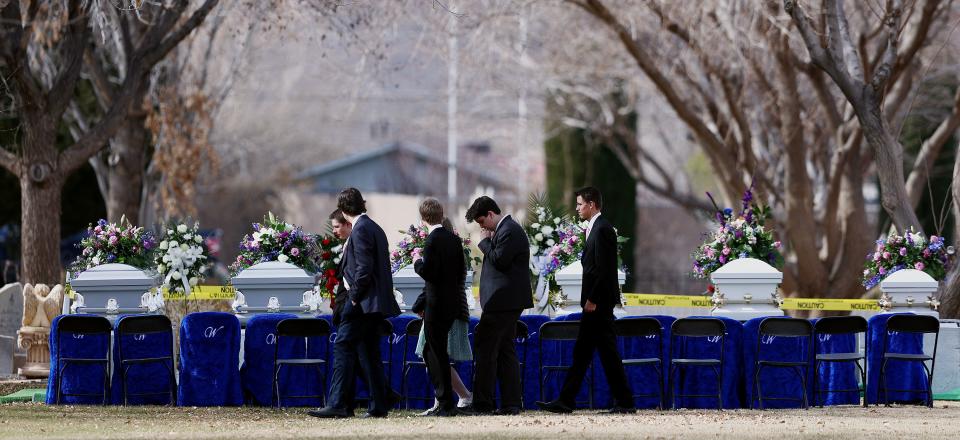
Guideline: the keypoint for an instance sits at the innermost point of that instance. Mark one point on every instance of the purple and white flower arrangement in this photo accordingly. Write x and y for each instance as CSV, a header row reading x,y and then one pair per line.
x,y
741,235
115,243
908,251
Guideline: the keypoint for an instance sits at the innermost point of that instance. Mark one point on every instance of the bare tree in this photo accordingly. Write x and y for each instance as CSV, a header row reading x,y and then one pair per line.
x,y
42,50
732,73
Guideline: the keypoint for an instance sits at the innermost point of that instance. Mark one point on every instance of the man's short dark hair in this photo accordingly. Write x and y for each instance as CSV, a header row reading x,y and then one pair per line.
x,y
481,207
351,202
431,211
338,216
591,194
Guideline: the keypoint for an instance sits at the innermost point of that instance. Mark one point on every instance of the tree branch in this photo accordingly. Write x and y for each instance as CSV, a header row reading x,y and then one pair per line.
x,y
75,41
10,161
891,21
930,150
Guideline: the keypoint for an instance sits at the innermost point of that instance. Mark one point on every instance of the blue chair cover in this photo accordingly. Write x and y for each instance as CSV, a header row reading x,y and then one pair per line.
x,y
209,360
702,380
256,374
836,375
77,378
899,374
642,379
777,382
151,377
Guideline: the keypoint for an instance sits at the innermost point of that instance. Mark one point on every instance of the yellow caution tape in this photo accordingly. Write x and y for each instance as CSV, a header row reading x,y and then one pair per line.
x,y
653,300
844,305
202,292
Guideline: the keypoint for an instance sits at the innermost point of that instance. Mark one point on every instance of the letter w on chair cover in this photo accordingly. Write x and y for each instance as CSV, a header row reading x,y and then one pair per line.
x,y
143,371
209,358
79,360
782,343
696,328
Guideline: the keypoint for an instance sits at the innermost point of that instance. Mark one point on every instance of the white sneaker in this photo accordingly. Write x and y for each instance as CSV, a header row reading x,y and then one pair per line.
x,y
465,402
436,406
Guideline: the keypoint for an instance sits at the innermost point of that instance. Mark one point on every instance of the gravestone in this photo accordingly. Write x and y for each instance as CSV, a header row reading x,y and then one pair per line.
x,y
11,316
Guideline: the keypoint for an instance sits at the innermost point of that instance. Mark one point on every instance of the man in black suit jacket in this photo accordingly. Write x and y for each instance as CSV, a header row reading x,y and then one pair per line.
x,y
504,293
600,294
442,267
342,228
369,284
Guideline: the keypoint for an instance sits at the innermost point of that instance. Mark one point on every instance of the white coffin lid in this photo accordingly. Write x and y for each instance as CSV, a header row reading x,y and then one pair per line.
x,y
746,269
113,274
272,272
574,272
909,279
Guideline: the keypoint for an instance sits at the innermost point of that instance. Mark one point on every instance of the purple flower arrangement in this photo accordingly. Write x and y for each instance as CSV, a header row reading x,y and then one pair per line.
x,y
909,251
411,246
276,240
744,235
115,243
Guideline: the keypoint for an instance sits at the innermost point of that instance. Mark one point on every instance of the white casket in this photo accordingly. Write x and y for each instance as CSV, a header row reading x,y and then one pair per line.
x,y
409,284
273,287
570,280
910,290
111,289
746,289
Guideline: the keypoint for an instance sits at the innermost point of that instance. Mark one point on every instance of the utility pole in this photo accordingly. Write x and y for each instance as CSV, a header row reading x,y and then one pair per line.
x,y
452,110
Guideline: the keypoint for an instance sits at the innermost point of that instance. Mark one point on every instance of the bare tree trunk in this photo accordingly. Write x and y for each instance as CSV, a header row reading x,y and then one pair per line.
x,y
950,298
40,187
126,167
888,154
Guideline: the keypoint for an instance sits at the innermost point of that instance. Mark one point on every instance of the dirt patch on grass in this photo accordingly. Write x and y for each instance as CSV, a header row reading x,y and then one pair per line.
x,y
90,422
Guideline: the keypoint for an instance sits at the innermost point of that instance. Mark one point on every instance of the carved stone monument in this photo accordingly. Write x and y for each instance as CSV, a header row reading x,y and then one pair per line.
x,y
41,305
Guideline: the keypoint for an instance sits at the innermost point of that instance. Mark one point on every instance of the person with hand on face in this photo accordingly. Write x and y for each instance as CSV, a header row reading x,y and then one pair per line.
x,y
442,266
601,293
504,293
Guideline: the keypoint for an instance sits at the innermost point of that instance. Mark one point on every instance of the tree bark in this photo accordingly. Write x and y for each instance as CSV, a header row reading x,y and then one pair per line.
x,y
40,185
950,299
126,163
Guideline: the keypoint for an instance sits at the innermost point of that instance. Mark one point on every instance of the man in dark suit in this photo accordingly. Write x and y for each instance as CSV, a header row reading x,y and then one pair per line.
x,y
369,284
342,228
442,267
504,293
600,294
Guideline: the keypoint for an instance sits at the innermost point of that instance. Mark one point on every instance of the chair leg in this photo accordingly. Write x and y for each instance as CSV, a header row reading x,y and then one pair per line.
x,y
106,383
403,387
803,384
59,383
276,386
123,381
756,383
673,386
719,372
883,382
816,390
863,380
659,388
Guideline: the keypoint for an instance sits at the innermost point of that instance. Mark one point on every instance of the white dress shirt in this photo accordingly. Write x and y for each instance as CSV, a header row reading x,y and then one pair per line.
x,y
590,225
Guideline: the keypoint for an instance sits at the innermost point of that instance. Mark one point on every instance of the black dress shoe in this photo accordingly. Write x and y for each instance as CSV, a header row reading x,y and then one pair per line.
x,y
507,411
370,415
555,406
440,412
393,398
621,410
329,413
